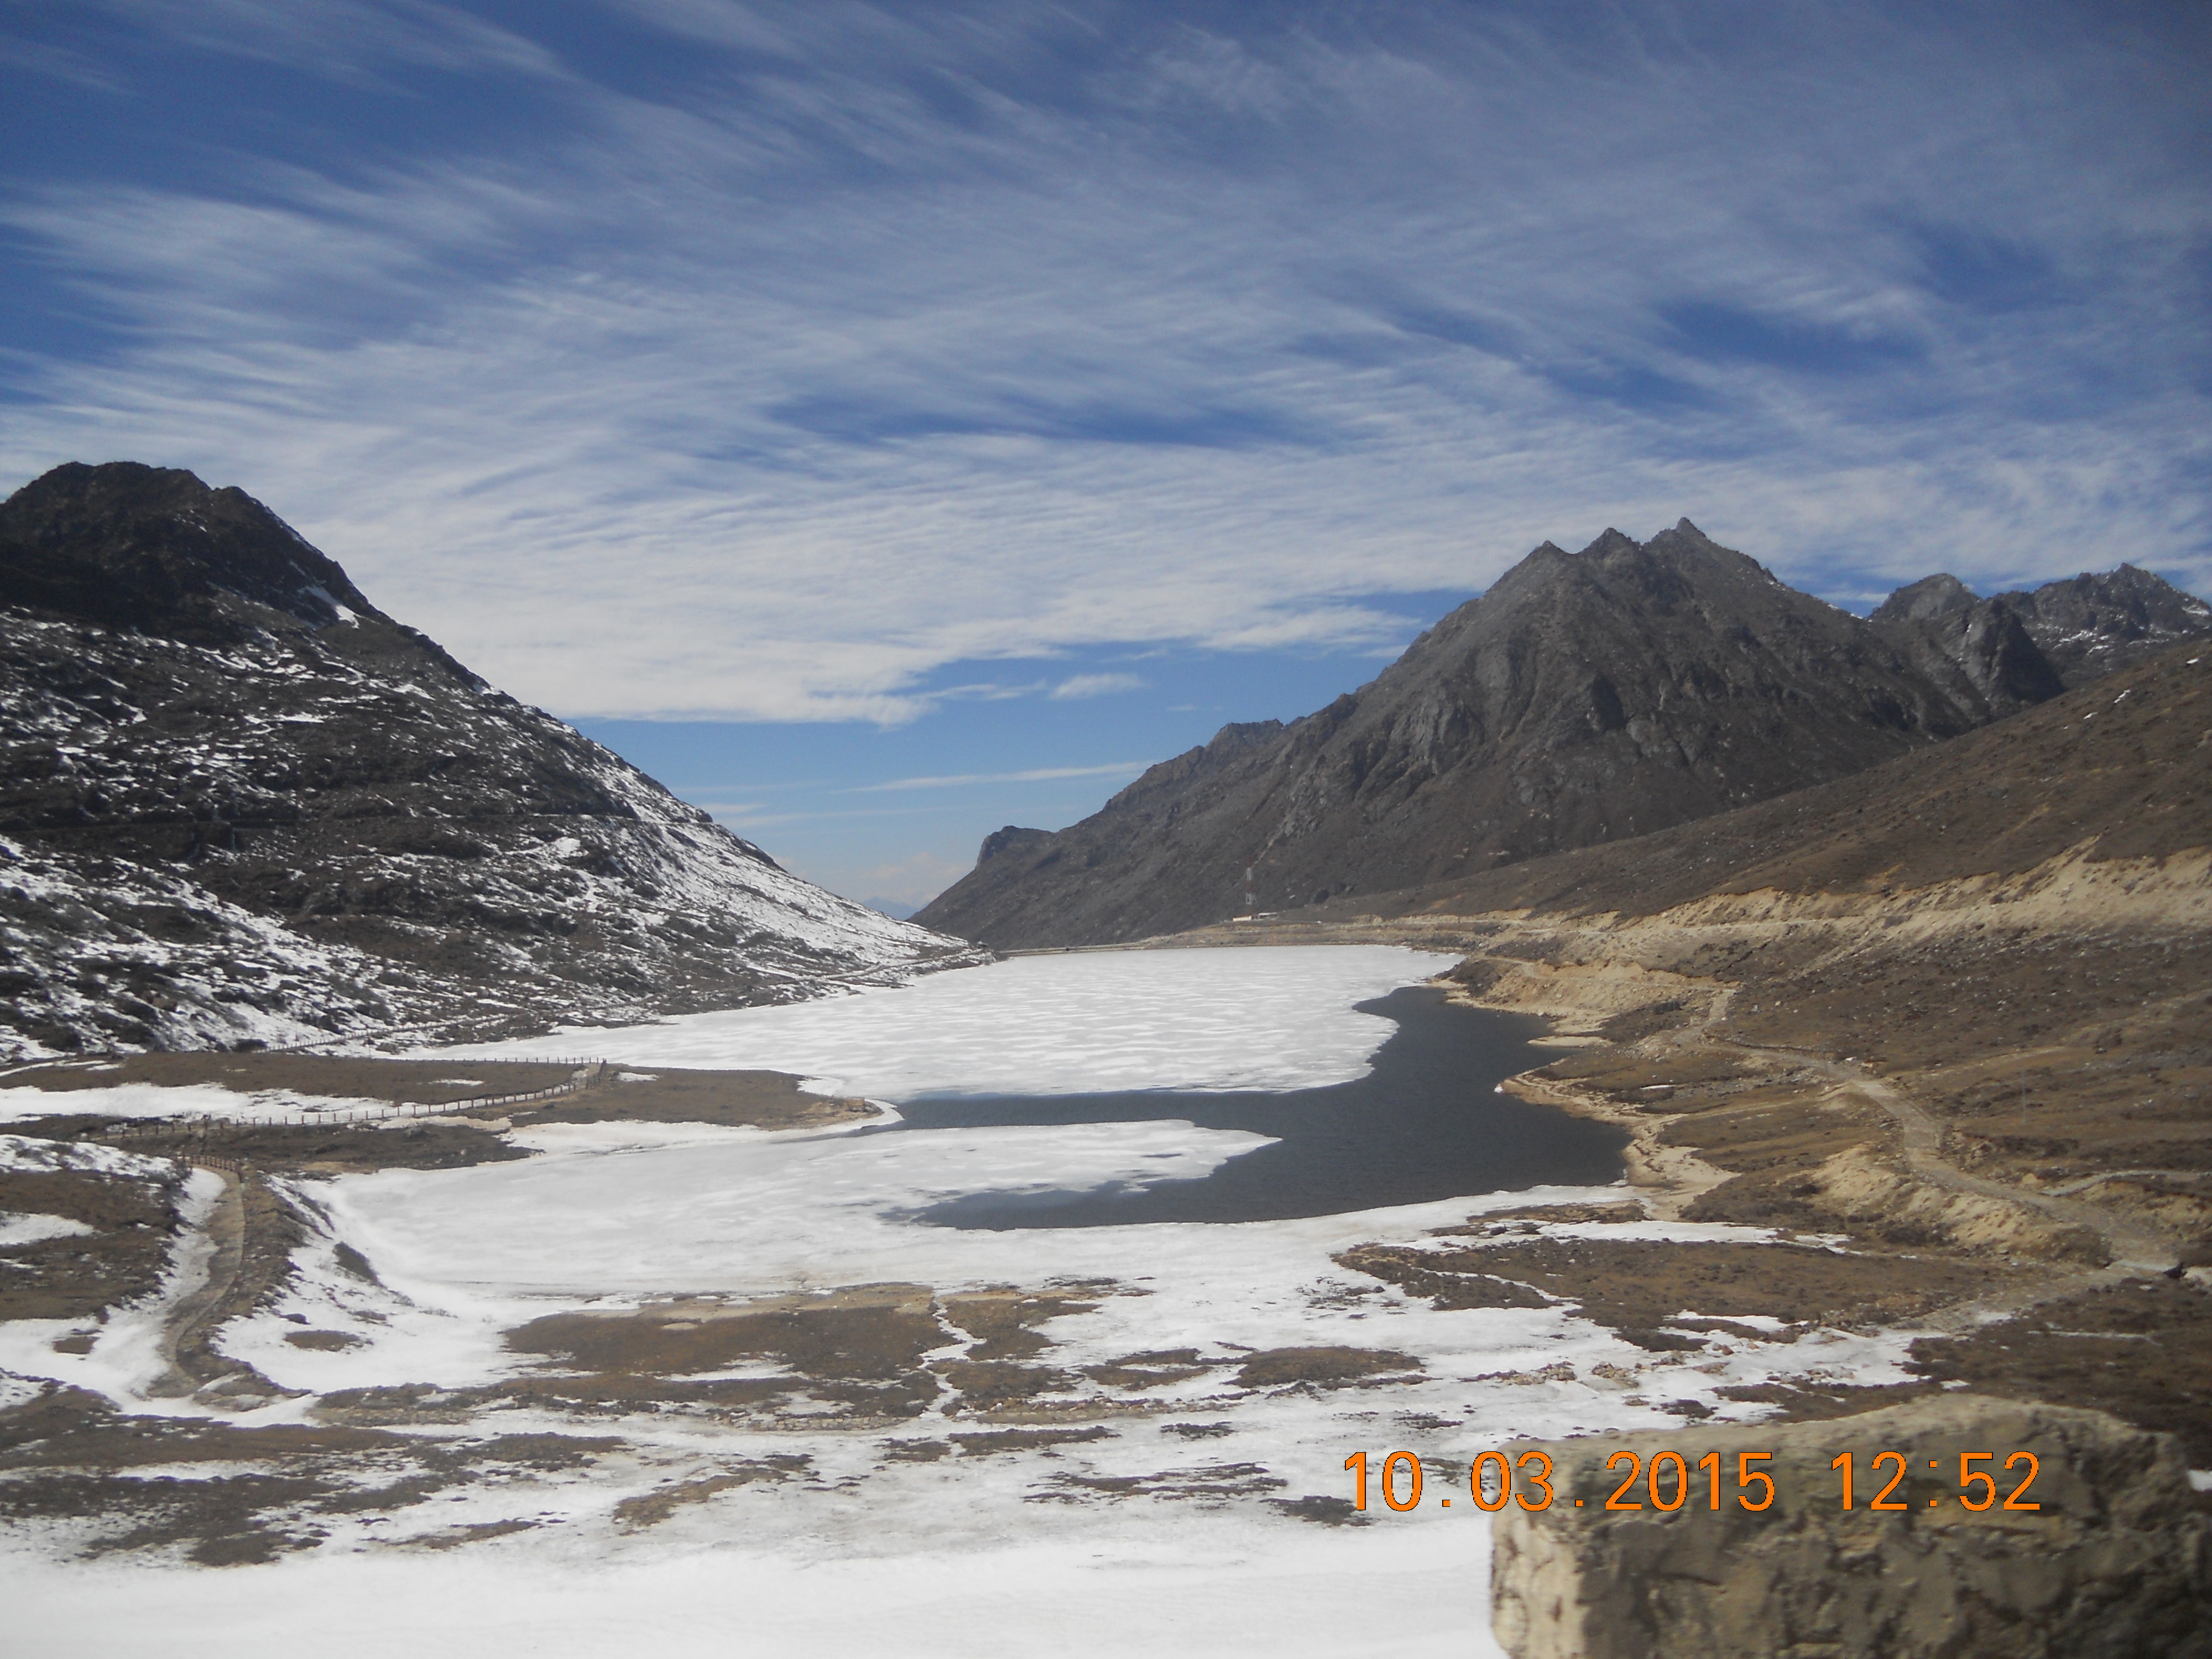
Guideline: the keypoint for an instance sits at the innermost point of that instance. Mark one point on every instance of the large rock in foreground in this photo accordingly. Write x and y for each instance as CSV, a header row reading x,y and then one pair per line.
x,y
2114,1564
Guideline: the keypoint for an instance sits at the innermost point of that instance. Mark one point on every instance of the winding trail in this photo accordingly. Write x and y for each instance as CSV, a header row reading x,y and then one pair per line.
x,y
2135,1250
195,1311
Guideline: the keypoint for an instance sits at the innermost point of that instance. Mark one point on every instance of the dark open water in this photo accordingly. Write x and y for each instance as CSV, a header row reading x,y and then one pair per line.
x,y
1426,1123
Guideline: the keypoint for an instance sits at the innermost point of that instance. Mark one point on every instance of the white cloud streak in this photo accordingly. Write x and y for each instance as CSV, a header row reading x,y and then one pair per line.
x,y
1034,775
902,341
355,42
1076,687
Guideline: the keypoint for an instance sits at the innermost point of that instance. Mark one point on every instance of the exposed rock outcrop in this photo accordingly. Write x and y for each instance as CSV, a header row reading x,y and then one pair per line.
x,y
2116,1563
2093,623
1976,650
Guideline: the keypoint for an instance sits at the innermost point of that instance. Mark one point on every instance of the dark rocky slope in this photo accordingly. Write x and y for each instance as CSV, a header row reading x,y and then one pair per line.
x,y
1585,698
2094,623
1995,655
1978,651
237,803
2118,769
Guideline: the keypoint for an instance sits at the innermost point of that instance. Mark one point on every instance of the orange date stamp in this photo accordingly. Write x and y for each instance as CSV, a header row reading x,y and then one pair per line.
x,y
1669,1480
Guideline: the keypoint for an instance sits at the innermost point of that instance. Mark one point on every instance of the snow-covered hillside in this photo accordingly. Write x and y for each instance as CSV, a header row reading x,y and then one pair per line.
x,y
237,803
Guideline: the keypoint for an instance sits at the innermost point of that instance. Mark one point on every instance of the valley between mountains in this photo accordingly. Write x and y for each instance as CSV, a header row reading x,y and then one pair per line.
x,y
440,1165
1948,1010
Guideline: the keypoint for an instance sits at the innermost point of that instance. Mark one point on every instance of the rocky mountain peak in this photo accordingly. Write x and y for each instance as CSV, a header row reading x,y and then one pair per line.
x,y
239,805
1586,697
1611,544
2091,624
155,548
1007,840
1939,595
1993,656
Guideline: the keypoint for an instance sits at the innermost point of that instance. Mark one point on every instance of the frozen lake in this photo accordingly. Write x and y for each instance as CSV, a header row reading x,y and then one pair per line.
x,y
1083,1022
1176,1144
1427,1122
1324,1079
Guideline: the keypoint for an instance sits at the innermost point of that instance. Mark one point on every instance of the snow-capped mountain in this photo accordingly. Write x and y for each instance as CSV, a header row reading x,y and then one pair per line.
x,y
237,803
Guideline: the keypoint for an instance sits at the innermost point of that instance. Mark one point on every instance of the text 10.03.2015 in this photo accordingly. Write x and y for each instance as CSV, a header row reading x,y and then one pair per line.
x,y
1666,1481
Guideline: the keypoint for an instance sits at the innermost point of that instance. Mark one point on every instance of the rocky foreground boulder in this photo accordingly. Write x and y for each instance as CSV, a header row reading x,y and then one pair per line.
x,y
2116,1563
241,805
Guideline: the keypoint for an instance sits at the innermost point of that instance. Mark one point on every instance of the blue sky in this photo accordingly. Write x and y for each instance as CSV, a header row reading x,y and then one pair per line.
x,y
820,403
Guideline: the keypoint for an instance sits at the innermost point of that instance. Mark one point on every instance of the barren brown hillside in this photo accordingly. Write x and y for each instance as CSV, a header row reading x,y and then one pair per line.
x,y
1958,1008
2121,769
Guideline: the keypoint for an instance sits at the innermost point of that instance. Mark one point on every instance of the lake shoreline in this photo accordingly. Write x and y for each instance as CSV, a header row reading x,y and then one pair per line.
x,y
650,1338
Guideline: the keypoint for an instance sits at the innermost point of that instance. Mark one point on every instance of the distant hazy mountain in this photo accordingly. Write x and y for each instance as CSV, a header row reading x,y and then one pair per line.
x,y
237,803
898,908
1585,698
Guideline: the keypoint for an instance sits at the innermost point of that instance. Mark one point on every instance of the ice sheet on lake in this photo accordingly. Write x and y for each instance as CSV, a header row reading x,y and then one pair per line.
x,y
731,1211
974,1555
1229,1587
1280,1017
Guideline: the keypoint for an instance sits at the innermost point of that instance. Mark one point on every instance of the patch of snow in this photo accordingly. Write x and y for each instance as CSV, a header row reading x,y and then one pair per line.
x,y
21,1227
1280,1017
126,1360
26,1155
1755,1321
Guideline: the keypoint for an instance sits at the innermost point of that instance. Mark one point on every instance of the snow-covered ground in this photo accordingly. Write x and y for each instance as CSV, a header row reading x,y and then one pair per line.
x,y
127,1359
1083,1022
974,1555
188,1100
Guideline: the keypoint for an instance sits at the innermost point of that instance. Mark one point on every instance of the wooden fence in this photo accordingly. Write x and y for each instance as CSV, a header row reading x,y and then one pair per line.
x,y
589,1073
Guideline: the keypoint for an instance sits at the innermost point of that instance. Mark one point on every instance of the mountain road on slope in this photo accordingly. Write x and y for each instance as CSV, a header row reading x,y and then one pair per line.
x,y
2134,1249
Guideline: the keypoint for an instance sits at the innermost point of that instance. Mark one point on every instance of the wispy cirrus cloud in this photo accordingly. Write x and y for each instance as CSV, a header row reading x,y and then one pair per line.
x,y
361,41
762,361
1077,686
1034,774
